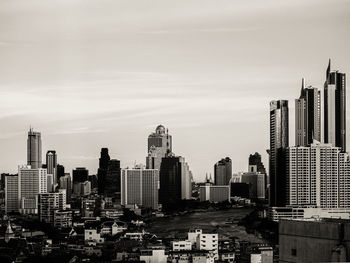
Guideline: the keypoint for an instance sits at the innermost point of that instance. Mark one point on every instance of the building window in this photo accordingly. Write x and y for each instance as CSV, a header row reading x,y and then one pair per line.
x,y
294,252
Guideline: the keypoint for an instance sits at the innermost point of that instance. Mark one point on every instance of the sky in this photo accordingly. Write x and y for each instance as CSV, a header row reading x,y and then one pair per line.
x,y
92,74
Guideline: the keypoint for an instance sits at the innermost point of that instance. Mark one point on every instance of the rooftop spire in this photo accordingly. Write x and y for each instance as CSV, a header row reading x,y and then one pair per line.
x,y
328,68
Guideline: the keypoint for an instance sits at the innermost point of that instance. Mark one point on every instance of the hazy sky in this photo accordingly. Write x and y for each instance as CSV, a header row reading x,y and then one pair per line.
x,y
91,74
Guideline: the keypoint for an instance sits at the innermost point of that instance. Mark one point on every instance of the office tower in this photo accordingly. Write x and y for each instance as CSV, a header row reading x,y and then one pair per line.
x,y
140,187
335,108
48,203
80,175
102,170
255,160
31,182
223,171
255,165
66,183
174,180
34,149
307,116
256,183
318,176
279,140
11,193
112,179
159,146
51,163
59,171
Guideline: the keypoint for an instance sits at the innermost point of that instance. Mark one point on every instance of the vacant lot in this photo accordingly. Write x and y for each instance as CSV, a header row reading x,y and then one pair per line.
x,y
209,221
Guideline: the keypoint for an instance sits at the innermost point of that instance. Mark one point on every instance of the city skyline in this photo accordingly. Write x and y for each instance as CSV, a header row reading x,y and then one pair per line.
x,y
73,96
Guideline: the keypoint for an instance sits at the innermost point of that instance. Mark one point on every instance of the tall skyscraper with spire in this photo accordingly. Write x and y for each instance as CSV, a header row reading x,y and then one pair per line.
x,y
335,108
34,149
159,146
279,141
307,116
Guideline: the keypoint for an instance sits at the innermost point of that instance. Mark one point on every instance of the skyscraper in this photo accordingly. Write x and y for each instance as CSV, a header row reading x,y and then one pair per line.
x,y
335,108
34,149
255,159
140,186
307,116
279,140
112,179
159,146
102,169
51,163
175,181
223,171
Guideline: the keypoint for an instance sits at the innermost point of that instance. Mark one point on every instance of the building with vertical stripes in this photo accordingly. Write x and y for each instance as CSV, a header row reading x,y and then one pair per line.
x,y
140,187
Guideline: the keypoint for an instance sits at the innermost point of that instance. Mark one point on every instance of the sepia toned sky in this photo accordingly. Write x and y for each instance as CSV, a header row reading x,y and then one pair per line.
x,y
91,74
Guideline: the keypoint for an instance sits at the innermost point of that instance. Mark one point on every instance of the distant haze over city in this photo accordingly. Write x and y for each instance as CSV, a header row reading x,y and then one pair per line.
x,y
96,74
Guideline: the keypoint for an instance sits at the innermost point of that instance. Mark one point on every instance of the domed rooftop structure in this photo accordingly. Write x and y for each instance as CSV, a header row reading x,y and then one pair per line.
x,y
160,129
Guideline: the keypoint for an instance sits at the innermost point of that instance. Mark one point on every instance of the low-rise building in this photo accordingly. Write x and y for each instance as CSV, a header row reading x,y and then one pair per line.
x,y
181,245
153,256
93,235
63,218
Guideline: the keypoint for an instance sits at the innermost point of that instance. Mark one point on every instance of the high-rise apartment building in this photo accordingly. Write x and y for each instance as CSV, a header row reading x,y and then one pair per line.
x,y
318,176
223,171
279,141
11,193
34,149
307,116
31,183
159,146
175,180
140,187
335,108
102,170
